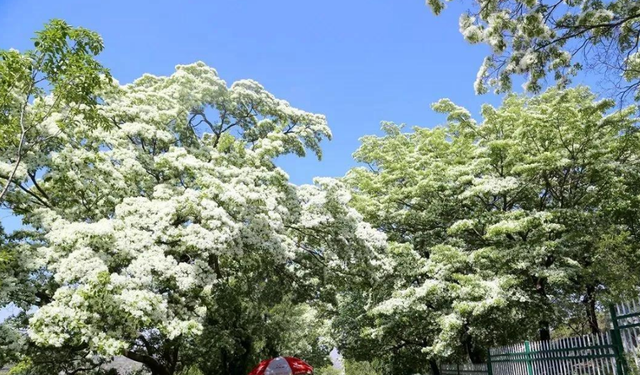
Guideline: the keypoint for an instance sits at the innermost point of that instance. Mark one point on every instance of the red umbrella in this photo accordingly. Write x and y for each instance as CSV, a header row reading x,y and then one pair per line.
x,y
282,366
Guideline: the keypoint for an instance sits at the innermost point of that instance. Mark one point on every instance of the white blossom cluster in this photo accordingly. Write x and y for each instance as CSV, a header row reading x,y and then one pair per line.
x,y
533,38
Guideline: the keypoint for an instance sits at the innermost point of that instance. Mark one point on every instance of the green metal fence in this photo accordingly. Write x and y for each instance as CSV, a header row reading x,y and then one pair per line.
x,y
588,355
616,352
465,369
591,355
626,322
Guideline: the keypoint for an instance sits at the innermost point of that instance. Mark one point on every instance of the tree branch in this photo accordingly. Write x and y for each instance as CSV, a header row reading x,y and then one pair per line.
x,y
23,134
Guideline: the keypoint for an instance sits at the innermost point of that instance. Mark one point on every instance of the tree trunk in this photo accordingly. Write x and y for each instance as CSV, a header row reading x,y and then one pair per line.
x,y
241,365
544,331
475,355
473,352
590,305
434,367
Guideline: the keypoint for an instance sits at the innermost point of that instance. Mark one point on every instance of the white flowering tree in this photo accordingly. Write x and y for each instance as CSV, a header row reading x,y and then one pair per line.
x,y
149,231
537,38
498,227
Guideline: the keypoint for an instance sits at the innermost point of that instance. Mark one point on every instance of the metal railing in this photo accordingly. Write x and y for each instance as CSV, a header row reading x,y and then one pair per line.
x,y
616,352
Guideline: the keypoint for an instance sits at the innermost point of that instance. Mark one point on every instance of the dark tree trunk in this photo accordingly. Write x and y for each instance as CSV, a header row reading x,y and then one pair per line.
x,y
474,353
236,362
435,370
544,331
590,305
242,360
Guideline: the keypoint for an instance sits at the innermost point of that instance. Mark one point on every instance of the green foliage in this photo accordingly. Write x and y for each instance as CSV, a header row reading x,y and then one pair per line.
x,y
193,370
66,57
256,319
576,322
60,75
361,368
327,370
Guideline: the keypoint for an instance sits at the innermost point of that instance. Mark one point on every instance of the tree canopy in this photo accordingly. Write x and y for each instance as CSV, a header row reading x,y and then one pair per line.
x,y
537,38
501,228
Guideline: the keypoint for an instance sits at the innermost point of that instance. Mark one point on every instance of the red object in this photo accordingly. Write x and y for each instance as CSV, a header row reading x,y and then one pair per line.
x,y
282,366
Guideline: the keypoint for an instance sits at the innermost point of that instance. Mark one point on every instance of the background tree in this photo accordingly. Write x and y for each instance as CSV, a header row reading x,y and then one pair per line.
x,y
537,38
499,226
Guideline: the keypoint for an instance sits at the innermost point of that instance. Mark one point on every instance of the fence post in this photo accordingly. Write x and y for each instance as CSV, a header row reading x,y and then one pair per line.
x,y
458,367
527,350
621,362
489,368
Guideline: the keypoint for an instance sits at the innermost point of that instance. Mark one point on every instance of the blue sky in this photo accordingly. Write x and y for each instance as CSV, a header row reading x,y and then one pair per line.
x,y
358,62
